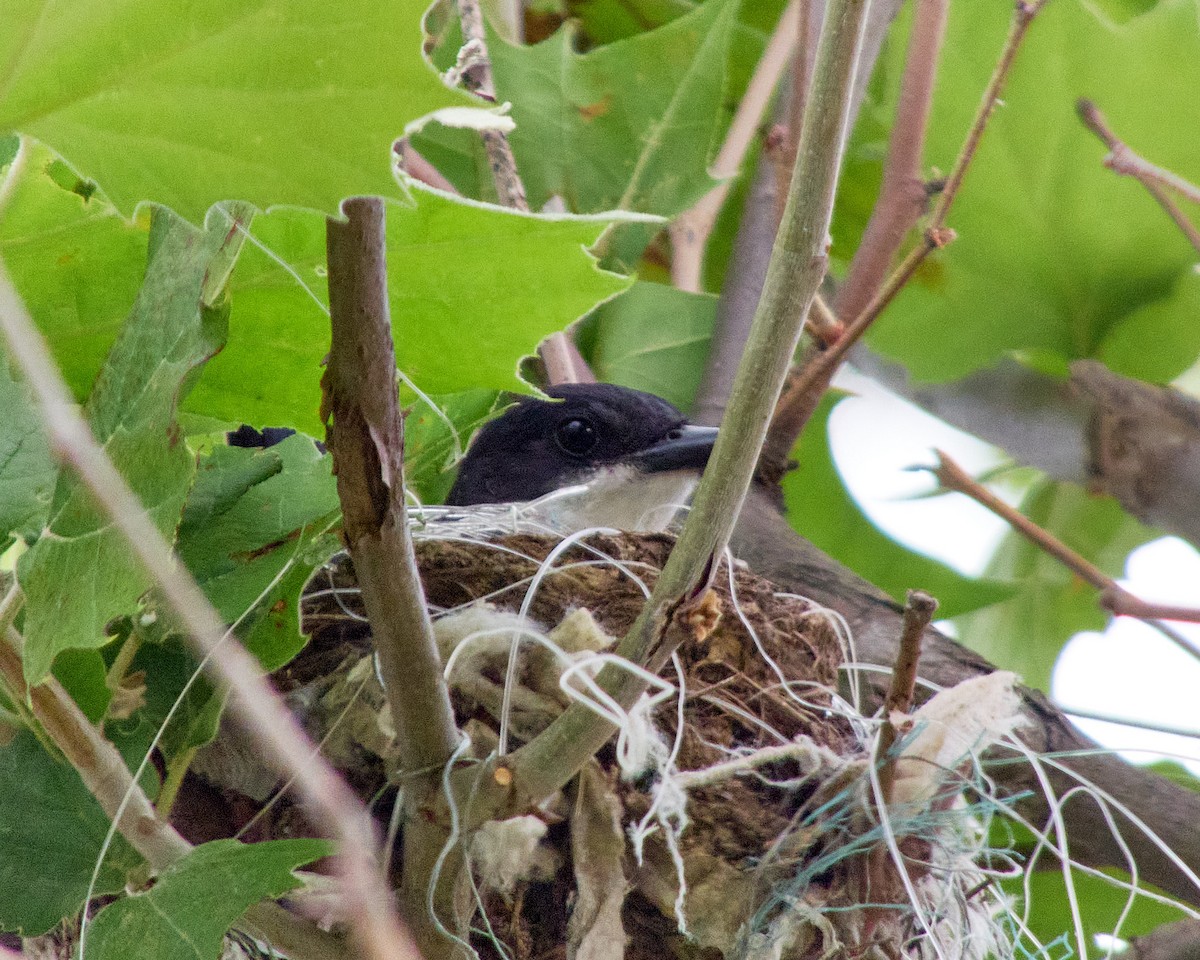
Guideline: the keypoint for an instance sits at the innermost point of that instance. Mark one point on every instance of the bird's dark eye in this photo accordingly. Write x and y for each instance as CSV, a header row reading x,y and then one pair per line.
x,y
576,436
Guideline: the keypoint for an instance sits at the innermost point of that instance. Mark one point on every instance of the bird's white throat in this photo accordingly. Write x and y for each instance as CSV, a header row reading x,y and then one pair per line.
x,y
623,498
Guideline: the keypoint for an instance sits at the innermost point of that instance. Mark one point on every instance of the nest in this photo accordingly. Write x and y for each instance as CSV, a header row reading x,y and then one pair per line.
x,y
735,820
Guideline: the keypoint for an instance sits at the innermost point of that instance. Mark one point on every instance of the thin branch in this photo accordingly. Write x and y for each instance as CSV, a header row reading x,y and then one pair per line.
x,y
803,393
365,433
562,361
1123,160
108,779
259,711
475,68
807,382
903,197
798,264
1113,597
1023,15
413,162
691,229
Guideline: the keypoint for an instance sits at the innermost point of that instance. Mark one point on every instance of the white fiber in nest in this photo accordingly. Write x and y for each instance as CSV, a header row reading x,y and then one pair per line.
x,y
968,717
506,852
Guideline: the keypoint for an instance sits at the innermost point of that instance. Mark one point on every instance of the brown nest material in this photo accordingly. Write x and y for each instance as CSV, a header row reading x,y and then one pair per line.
x,y
764,674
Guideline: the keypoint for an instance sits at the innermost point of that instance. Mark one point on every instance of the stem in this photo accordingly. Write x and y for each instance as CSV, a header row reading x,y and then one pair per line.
x,y
691,229
798,264
1122,160
177,769
1023,15
1114,597
262,715
804,391
478,78
365,433
902,195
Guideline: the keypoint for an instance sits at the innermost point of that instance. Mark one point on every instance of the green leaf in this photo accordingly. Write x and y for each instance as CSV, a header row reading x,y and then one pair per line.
x,y
652,337
77,263
819,507
269,101
434,440
1101,906
81,573
50,838
1027,631
472,290
27,471
256,524
186,913
627,126
1055,252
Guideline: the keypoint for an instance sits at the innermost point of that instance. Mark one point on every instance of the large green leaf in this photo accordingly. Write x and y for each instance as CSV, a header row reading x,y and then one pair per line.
x,y
1026,632
472,289
26,470
50,836
75,260
269,101
186,913
652,337
820,508
256,524
629,125
81,573
1056,253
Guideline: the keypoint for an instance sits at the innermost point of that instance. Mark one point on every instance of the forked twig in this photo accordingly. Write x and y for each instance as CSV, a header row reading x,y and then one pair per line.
x,y
1122,160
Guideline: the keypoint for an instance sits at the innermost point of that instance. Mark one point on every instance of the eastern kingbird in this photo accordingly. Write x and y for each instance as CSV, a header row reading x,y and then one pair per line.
x,y
617,457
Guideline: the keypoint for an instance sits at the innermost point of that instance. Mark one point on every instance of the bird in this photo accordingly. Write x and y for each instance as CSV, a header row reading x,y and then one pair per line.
x,y
590,455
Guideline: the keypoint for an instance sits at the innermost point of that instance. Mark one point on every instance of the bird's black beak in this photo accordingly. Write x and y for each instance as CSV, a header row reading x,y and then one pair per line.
x,y
684,448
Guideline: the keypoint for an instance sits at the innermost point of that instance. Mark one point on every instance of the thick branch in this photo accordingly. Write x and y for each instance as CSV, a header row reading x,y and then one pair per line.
x,y
260,713
365,432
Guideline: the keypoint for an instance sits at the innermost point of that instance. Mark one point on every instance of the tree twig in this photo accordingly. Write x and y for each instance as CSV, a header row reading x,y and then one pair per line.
x,y
903,196
476,72
691,229
562,360
365,433
798,264
259,711
1113,596
106,777
804,392
1122,160
807,382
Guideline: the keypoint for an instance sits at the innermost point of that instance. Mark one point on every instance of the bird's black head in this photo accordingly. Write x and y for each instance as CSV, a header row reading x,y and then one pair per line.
x,y
538,446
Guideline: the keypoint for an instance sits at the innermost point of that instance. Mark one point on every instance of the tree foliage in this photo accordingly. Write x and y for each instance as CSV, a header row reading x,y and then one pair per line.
x,y
164,182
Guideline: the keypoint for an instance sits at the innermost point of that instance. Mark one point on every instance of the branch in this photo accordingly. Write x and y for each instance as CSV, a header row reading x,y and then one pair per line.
x,y
365,433
1113,597
797,267
1122,160
476,71
691,229
259,711
902,196
104,773
562,361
